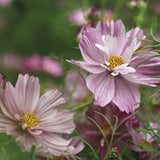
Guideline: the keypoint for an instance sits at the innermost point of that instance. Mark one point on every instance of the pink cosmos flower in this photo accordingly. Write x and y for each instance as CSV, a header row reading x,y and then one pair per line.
x,y
5,2
13,61
108,53
47,65
141,137
77,17
81,92
51,66
34,119
32,63
93,134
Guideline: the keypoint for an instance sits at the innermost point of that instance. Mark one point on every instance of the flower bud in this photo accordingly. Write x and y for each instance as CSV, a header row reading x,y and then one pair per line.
x,y
93,14
3,80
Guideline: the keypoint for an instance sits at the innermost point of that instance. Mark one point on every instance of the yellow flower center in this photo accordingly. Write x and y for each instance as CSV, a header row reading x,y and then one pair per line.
x,y
57,158
115,61
146,143
106,129
29,120
108,19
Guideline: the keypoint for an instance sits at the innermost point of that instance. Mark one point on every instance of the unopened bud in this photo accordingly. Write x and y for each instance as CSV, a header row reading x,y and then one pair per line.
x,y
3,80
112,154
93,14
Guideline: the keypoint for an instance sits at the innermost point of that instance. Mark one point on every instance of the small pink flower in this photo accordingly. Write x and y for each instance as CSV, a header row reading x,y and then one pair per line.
x,y
108,53
141,137
77,17
34,119
5,2
51,66
32,63
81,91
43,64
13,61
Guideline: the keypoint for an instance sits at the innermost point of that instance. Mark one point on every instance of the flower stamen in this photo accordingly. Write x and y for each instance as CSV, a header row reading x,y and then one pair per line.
x,y
146,143
29,120
115,61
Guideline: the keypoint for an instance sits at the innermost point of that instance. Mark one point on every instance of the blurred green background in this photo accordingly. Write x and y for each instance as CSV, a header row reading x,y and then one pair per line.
x,y
41,26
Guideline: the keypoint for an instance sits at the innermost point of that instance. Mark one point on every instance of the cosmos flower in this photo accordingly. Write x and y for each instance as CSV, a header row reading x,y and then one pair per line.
x,y
93,134
46,65
81,91
9,60
5,2
77,17
34,119
141,137
108,51
51,67
32,64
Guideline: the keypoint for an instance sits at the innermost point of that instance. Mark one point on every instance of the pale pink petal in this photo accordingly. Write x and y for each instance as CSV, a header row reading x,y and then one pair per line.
x,y
61,122
97,68
126,95
90,52
27,91
124,69
8,100
25,141
133,33
76,146
133,78
56,144
128,52
108,47
6,123
51,99
102,86
136,32
114,29
111,43
148,71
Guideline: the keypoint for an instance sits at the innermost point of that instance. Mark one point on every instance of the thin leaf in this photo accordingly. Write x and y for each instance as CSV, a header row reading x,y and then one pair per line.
x,y
99,127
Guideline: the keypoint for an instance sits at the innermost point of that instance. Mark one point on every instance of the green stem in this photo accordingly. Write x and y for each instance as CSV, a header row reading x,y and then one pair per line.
x,y
82,105
32,153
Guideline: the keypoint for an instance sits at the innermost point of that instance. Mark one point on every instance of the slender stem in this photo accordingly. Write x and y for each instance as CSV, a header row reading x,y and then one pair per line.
x,y
32,153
